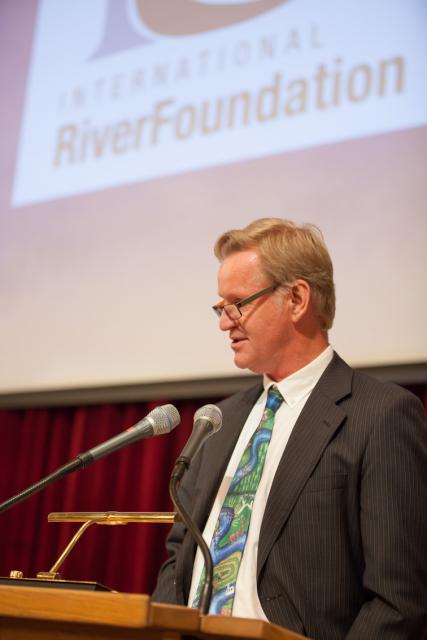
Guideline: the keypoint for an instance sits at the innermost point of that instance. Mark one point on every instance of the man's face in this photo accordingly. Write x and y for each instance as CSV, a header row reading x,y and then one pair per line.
x,y
260,337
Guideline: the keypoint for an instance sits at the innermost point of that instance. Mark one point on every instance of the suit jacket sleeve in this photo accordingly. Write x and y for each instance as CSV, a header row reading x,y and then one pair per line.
x,y
393,524
169,588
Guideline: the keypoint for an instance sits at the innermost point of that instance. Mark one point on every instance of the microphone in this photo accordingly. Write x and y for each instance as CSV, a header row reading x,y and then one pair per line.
x,y
207,421
159,420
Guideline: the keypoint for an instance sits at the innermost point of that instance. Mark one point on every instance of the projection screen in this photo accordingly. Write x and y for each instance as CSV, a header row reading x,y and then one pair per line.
x,y
135,132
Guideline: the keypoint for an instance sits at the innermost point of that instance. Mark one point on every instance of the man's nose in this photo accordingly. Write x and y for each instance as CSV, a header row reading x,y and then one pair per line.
x,y
225,322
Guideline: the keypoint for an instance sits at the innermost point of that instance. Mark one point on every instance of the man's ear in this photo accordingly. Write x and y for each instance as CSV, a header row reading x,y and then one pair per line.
x,y
299,299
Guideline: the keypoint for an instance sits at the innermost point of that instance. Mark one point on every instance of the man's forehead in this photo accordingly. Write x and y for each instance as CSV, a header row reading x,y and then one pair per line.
x,y
245,260
239,273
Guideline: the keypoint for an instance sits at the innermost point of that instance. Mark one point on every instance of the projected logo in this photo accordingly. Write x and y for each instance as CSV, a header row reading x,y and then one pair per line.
x,y
171,18
220,83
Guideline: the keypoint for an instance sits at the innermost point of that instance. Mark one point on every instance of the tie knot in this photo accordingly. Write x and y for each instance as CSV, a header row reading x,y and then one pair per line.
x,y
274,398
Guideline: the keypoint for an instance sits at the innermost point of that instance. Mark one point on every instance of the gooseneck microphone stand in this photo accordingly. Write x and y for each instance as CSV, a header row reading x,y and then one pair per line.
x,y
206,592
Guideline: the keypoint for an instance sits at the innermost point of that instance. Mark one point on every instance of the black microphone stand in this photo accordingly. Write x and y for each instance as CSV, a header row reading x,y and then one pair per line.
x,y
81,461
160,420
206,593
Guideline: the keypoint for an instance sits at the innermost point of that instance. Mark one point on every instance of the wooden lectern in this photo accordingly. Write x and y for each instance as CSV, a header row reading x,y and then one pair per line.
x,y
65,614
70,613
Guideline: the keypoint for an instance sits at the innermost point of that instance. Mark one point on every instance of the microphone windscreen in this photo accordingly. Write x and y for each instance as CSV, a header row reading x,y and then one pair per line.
x,y
212,413
164,419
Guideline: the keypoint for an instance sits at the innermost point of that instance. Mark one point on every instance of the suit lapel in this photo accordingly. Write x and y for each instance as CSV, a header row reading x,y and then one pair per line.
x,y
315,427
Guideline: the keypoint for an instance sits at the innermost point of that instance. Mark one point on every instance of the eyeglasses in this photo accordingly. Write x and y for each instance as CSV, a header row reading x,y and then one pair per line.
x,y
233,310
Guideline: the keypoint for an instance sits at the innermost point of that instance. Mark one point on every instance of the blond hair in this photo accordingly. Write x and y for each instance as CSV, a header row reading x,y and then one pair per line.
x,y
288,252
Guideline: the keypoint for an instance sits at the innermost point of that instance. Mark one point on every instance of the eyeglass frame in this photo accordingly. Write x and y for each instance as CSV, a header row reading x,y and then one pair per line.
x,y
220,306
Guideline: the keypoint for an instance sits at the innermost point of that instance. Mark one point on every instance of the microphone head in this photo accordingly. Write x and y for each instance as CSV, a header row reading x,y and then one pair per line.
x,y
212,413
163,419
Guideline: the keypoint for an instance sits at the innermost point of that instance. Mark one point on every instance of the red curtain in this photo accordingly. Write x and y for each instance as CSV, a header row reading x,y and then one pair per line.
x,y
35,442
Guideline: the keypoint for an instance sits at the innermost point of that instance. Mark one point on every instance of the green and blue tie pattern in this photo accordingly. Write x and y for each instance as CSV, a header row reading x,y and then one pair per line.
x,y
231,529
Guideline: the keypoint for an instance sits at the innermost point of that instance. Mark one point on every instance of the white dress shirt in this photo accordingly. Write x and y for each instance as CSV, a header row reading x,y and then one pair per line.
x,y
295,390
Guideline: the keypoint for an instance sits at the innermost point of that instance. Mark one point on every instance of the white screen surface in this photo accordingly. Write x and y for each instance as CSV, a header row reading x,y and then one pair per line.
x,y
135,135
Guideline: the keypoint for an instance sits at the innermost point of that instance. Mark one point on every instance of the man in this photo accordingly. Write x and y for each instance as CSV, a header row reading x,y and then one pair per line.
x,y
332,542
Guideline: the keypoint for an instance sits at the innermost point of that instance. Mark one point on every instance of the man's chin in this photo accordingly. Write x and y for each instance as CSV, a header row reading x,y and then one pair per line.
x,y
243,362
240,361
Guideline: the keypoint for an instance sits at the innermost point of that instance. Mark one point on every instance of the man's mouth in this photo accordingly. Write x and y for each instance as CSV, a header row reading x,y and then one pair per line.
x,y
235,340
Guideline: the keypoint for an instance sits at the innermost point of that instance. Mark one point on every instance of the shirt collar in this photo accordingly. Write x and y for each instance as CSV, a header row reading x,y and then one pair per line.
x,y
296,386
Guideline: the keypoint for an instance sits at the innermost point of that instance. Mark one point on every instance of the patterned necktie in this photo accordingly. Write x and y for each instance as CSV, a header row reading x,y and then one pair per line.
x,y
231,529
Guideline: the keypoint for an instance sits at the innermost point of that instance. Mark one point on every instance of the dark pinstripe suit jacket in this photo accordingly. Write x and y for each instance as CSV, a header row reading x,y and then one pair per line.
x,y
343,543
